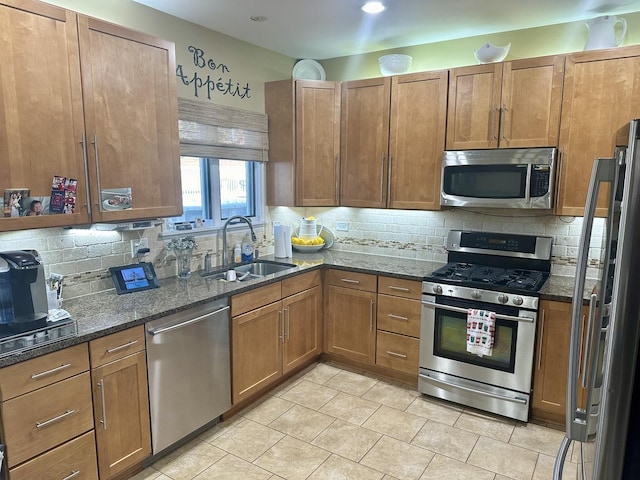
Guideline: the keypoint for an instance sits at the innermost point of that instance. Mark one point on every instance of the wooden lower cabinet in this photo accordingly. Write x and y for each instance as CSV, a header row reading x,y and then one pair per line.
x,y
549,400
398,322
274,330
303,327
351,323
75,459
256,350
120,401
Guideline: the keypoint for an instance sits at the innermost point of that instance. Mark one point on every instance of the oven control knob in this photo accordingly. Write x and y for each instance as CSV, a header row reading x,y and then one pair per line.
x,y
437,289
502,298
517,300
476,294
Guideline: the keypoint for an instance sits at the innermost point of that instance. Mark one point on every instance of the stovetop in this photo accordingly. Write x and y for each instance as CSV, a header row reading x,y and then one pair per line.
x,y
483,276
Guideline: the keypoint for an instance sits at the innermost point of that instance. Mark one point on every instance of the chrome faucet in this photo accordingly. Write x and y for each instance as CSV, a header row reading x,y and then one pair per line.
x,y
238,219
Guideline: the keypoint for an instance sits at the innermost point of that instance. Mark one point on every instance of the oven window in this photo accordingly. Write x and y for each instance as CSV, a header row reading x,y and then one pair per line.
x,y
450,341
486,181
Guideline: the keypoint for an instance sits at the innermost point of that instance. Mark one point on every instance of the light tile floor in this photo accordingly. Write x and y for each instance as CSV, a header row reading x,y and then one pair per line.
x,y
331,423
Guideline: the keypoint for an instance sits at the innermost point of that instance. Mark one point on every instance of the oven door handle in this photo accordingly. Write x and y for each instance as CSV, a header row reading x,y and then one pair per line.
x,y
473,390
465,310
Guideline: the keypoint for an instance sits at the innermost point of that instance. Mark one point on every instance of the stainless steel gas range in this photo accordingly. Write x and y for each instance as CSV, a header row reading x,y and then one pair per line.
x,y
499,274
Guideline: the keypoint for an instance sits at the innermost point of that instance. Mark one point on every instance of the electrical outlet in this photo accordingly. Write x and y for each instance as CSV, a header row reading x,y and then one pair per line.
x,y
342,226
137,244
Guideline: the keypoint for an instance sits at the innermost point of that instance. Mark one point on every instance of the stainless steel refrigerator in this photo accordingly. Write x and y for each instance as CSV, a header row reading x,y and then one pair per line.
x,y
603,397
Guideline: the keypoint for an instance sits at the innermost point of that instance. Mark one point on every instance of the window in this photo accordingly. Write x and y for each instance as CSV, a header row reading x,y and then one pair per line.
x,y
215,189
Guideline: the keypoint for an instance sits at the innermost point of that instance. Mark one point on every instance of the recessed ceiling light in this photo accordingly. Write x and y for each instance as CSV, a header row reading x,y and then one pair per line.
x,y
258,18
373,7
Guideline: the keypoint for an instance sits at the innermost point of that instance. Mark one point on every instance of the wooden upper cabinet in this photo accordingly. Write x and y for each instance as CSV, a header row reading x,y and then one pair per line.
x,y
131,113
41,116
474,103
505,105
600,97
304,142
364,142
416,139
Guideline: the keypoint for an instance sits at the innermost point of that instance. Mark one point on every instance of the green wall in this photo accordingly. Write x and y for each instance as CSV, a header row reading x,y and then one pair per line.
x,y
251,65
533,42
246,63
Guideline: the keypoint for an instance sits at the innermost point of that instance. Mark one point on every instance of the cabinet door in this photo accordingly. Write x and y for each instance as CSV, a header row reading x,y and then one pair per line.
x,y
130,101
416,140
364,142
531,98
41,117
256,357
549,400
600,96
121,412
303,321
473,114
317,143
351,326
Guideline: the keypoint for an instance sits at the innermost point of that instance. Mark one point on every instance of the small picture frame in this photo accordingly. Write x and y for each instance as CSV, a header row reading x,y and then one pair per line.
x,y
14,201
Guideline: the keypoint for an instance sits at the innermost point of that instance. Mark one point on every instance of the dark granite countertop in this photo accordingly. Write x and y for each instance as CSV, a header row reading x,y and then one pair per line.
x,y
106,312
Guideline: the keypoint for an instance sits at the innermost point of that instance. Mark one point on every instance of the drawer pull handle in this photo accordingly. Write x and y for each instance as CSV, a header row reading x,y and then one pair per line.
x,y
49,372
121,347
73,475
396,354
397,317
55,419
402,289
348,280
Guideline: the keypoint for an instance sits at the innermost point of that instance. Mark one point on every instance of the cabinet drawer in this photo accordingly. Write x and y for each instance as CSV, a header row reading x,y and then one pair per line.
x,y
46,418
398,352
357,281
245,302
399,315
117,345
400,287
78,455
300,283
41,371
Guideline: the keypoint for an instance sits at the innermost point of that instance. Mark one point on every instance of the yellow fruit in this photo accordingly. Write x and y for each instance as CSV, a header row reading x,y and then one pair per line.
x,y
296,241
311,218
306,242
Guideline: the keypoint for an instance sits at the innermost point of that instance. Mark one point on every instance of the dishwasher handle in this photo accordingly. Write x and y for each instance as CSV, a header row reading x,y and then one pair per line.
x,y
157,331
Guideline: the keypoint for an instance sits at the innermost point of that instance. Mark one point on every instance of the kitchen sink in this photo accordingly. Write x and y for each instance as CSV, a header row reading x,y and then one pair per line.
x,y
249,271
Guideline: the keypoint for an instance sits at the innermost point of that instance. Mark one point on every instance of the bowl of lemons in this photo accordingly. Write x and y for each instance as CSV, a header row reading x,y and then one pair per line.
x,y
307,244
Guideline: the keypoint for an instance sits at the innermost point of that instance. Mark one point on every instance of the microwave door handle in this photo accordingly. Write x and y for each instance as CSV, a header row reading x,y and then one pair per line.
x,y
603,172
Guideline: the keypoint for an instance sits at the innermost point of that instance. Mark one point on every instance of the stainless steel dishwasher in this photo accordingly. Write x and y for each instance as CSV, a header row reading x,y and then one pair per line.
x,y
188,363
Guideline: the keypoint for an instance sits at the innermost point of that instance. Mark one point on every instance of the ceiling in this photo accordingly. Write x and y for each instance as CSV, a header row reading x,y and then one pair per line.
x,y
321,29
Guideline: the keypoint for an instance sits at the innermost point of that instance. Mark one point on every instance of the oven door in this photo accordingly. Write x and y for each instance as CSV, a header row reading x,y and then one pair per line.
x,y
443,346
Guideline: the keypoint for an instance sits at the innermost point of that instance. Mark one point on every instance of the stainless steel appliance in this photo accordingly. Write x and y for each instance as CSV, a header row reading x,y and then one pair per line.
x,y
499,273
499,178
606,428
189,368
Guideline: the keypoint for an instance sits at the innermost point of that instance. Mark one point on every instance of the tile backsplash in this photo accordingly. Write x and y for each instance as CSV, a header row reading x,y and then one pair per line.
x,y
83,256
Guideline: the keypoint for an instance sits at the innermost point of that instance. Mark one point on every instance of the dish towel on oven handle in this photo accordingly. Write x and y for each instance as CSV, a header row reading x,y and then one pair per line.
x,y
481,326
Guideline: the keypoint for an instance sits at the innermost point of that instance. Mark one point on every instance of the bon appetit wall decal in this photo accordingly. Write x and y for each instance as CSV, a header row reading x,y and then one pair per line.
x,y
216,81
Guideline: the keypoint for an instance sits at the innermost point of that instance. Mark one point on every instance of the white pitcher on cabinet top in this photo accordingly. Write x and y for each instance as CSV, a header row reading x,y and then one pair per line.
x,y
602,32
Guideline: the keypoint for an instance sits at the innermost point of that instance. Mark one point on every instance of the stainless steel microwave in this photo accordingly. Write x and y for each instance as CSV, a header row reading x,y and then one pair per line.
x,y
500,178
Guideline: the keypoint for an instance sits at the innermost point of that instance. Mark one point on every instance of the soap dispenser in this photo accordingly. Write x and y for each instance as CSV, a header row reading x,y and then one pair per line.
x,y
237,253
247,249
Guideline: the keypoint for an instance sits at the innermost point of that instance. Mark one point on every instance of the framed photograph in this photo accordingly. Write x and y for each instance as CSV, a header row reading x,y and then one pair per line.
x,y
14,201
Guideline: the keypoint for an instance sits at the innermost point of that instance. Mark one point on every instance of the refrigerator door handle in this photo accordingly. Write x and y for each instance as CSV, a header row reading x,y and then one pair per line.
x,y
586,360
604,170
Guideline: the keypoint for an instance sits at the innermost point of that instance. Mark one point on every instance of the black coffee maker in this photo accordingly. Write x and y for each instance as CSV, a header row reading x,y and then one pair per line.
x,y
23,291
